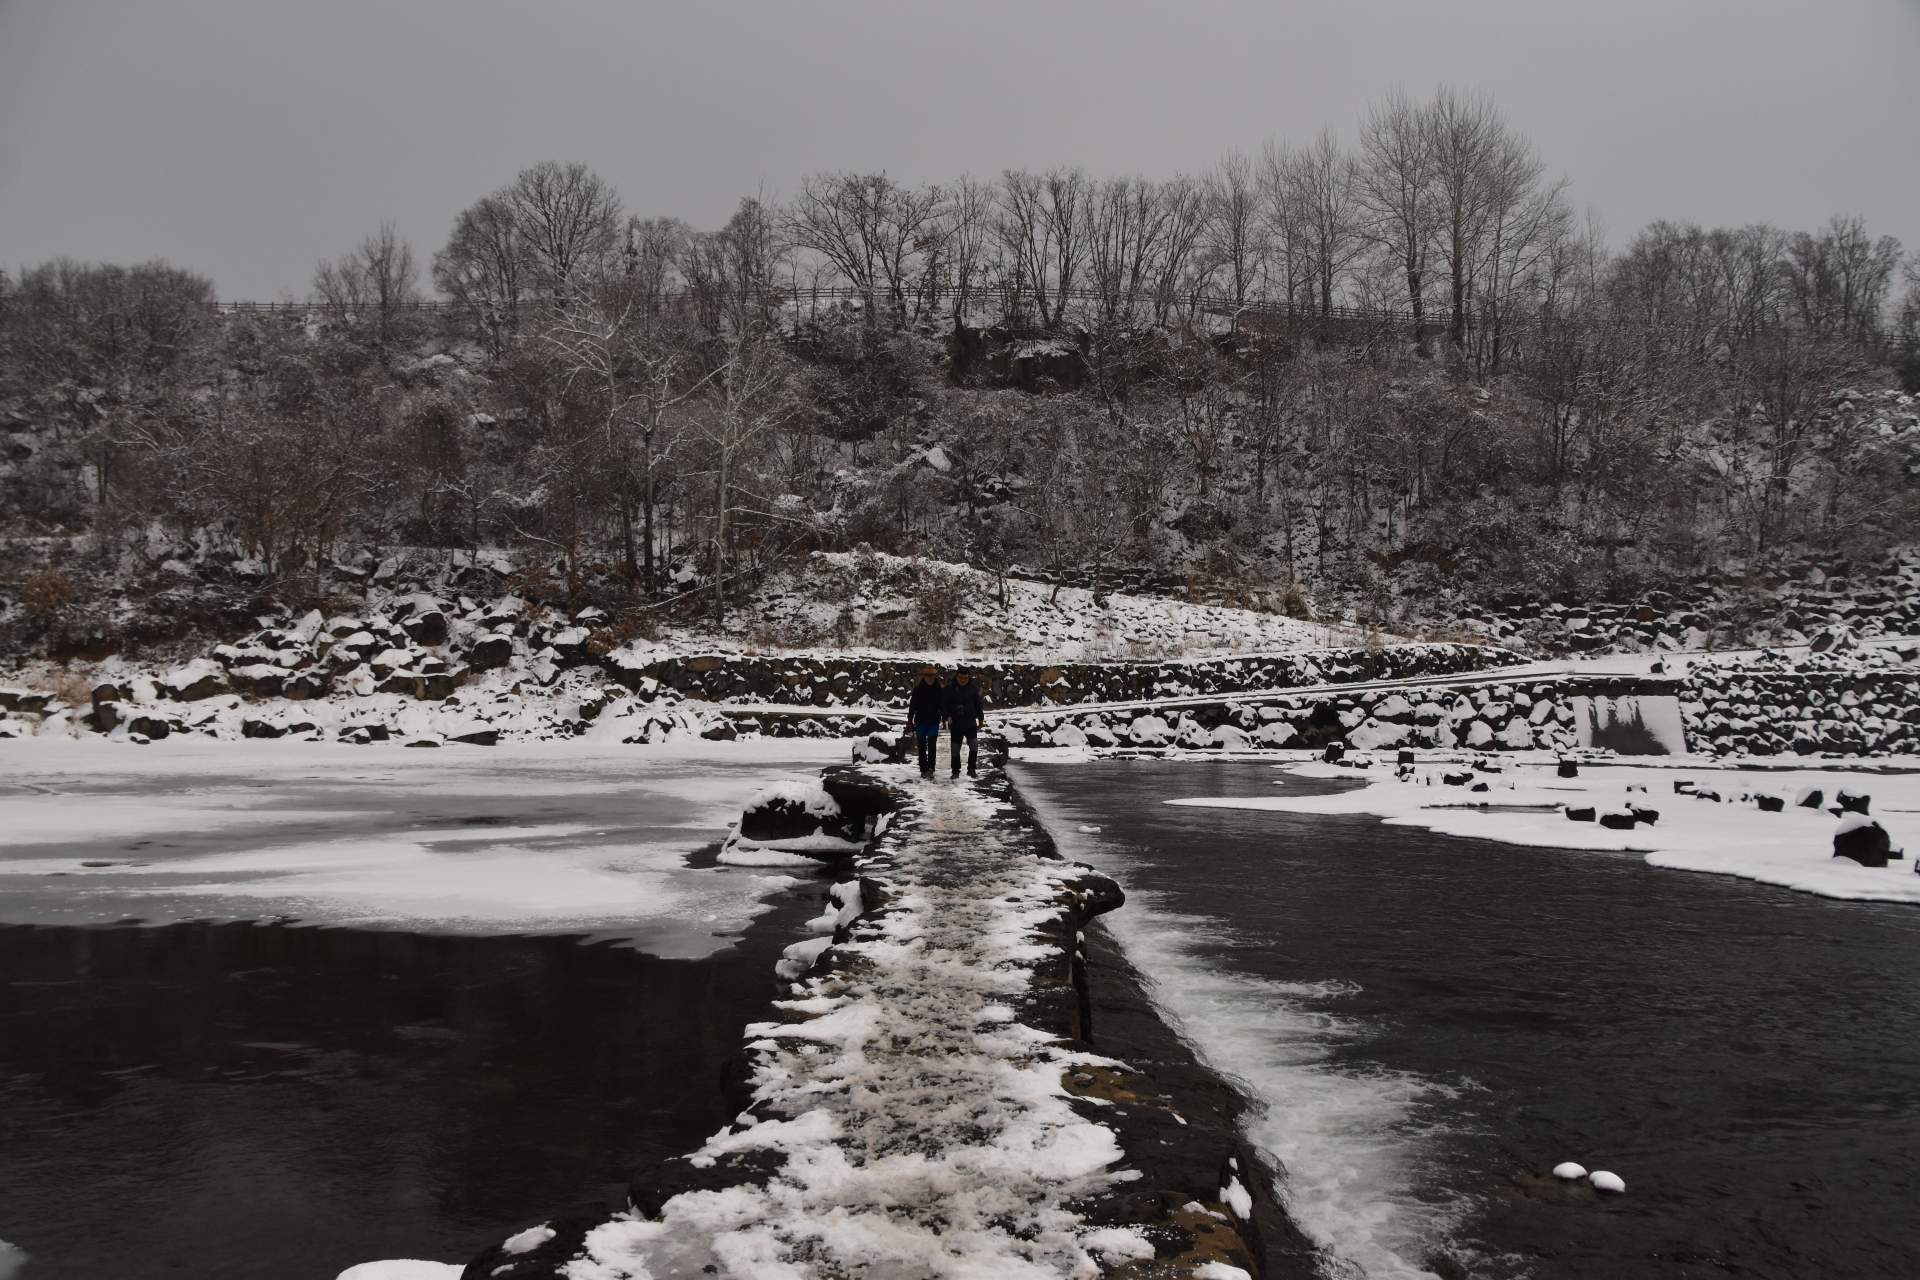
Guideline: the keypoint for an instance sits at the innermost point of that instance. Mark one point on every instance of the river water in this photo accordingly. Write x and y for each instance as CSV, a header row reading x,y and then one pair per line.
x,y
1432,1023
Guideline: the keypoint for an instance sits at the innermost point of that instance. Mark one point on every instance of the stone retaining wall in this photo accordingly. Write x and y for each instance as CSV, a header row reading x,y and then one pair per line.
x,y
1803,713
885,682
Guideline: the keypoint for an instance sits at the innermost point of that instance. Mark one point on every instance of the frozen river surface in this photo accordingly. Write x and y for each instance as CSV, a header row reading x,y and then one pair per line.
x,y
185,1093
468,840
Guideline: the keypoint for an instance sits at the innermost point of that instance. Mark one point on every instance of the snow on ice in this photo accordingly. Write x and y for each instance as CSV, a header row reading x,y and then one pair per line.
x,y
549,839
1728,835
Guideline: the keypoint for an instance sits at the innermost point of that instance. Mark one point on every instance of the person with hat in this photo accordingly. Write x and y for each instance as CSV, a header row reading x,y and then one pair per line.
x,y
924,711
965,714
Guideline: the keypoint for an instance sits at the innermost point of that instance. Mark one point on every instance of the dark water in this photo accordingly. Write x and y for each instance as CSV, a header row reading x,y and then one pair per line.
x,y
275,1103
1747,1058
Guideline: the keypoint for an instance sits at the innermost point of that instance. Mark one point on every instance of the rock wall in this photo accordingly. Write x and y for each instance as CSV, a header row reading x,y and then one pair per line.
x,y
830,681
1523,715
1723,711
1745,712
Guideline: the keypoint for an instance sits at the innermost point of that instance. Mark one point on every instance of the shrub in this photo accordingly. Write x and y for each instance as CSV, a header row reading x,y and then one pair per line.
x,y
47,594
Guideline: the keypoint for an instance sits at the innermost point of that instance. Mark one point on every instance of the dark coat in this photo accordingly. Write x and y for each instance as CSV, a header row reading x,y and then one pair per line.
x,y
963,706
926,705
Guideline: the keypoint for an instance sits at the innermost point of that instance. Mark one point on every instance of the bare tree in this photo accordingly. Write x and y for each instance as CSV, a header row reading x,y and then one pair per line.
x,y
749,395
1233,224
1315,211
617,354
1042,227
1526,222
1464,134
483,269
968,218
1396,188
652,260
871,229
377,279
567,220
730,272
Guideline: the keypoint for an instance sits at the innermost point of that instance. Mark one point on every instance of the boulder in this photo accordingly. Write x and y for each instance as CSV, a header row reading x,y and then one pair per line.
x,y
477,737
1644,815
254,727
1568,769
537,1253
152,728
1614,821
858,795
1862,839
361,734
310,684
882,748
1851,801
25,701
793,811
1149,731
429,628
1771,804
1810,798
1584,813
720,731
200,679
1334,752
490,651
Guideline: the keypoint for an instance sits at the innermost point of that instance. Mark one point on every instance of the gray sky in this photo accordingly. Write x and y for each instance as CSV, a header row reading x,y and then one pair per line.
x,y
247,138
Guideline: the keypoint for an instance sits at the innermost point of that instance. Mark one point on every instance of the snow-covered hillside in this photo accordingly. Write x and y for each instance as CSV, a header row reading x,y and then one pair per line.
x,y
867,601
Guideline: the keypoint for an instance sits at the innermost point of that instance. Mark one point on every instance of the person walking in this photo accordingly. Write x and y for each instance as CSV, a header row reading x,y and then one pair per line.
x,y
965,714
924,711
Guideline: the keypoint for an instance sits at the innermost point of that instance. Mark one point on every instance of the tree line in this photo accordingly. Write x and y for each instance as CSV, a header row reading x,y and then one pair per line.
x,y
645,407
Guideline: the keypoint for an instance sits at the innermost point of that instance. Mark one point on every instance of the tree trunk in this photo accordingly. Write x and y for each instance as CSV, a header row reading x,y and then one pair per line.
x,y
1414,300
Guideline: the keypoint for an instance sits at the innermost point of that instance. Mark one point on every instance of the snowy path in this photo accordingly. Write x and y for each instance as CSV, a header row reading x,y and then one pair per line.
x,y
925,1128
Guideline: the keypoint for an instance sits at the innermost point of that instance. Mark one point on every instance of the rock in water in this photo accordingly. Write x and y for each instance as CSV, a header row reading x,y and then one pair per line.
x,y
1608,1182
1568,769
1570,1171
1862,839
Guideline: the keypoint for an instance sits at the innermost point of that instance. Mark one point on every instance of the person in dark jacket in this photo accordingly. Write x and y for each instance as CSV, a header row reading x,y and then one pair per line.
x,y
924,711
965,714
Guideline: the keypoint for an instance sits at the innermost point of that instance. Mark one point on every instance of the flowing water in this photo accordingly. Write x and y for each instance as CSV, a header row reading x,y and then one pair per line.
x,y
1433,1023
